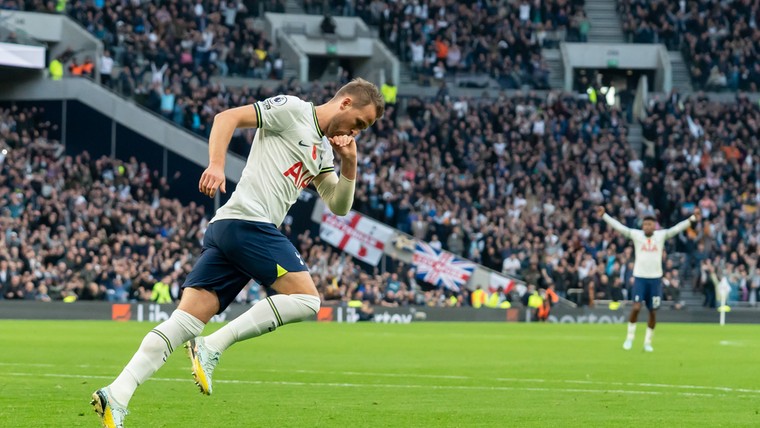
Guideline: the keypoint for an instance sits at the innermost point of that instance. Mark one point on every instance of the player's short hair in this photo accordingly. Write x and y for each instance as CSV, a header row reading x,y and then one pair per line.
x,y
649,217
363,93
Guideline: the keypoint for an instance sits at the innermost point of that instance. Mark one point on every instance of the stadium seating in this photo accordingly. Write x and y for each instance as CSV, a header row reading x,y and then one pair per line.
x,y
509,182
501,40
441,173
85,228
719,39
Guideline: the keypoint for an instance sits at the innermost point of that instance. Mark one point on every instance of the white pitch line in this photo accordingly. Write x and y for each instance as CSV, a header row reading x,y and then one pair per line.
x,y
652,385
731,343
81,366
390,386
347,373
370,374
433,376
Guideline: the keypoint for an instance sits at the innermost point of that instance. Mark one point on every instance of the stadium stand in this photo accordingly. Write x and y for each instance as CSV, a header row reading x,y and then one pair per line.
x,y
432,198
103,229
85,228
719,39
506,181
502,40
708,152
152,43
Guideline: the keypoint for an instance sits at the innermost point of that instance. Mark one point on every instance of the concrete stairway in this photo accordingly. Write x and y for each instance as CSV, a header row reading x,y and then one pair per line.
x,y
556,68
681,76
605,22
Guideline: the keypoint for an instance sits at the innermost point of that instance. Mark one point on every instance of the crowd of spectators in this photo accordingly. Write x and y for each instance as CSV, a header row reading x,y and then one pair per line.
x,y
150,45
510,183
709,156
73,227
721,40
77,228
439,39
163,54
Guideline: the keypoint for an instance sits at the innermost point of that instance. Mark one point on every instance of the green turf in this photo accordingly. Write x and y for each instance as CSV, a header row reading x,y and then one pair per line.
x,y
373,375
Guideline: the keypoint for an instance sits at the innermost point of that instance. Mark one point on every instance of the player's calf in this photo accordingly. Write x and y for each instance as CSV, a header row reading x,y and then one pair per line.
x,y
264,317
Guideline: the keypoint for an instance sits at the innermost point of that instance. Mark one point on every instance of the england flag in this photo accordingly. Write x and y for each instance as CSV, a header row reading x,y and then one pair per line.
x,y
441,268
357,235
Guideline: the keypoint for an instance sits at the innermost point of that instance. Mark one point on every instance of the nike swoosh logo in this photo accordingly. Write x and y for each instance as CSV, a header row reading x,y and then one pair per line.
x,y
301,143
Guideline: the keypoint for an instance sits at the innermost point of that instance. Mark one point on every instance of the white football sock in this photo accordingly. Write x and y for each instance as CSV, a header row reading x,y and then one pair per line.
x,y
631,331
265,316
155,348
649,335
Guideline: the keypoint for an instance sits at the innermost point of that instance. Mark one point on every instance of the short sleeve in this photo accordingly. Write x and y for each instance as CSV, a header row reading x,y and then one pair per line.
x,y
278,113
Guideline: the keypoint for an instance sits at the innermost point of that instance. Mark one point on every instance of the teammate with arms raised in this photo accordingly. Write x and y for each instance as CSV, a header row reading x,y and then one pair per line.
x,y
648,245
293,146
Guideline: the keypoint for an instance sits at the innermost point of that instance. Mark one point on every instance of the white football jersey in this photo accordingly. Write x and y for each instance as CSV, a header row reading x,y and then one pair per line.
x,y
648,249
288,151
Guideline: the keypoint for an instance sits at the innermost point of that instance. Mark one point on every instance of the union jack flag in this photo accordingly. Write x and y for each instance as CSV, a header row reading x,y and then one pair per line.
x,y
441,268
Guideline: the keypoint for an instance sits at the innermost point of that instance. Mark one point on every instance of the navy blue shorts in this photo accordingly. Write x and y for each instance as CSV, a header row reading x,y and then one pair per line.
x,y
236,251
649,291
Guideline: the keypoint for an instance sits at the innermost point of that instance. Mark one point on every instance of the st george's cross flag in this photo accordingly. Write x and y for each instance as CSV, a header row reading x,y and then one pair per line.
x,y
356,234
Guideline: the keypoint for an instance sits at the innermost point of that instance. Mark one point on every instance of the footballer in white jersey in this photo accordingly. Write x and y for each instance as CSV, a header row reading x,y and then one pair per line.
x,y
288,152
293,147
648,245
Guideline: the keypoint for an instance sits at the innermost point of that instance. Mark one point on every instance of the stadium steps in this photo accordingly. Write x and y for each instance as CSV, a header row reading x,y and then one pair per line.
x,y
635,138
294,6
405,76
289,73
556,67
605,22
691,298
681,76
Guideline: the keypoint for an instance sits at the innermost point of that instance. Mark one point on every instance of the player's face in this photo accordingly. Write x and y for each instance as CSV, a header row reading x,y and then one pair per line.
x,y
351,120
648,227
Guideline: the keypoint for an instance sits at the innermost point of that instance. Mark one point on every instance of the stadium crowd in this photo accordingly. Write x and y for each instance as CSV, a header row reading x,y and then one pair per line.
x,y
144,37
77,228
721,40
163,54
511,182
74,227
514,194
443,39
710,155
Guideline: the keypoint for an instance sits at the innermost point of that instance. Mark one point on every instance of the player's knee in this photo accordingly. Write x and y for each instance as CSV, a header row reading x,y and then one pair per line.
x,y
309,302
295,307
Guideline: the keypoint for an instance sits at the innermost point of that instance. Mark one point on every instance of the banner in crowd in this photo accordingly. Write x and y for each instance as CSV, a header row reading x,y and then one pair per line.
x,y
441,268
495,281
357,235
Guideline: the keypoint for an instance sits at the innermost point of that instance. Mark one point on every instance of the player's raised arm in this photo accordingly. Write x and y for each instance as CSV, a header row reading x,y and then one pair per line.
x,y
625,231
225,123
338,193
680,227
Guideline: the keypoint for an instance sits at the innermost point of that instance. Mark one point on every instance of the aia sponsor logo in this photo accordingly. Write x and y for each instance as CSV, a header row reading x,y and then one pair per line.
x,y
649,246
300,175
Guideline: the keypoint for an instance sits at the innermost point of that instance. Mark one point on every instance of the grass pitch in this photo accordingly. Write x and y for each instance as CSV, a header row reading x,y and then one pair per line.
x,y
376,375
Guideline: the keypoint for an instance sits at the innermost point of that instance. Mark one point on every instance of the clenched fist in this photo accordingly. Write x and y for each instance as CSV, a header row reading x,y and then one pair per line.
x,y
213,178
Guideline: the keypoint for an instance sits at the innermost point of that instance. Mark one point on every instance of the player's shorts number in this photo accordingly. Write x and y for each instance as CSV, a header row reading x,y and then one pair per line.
x,y
656,302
